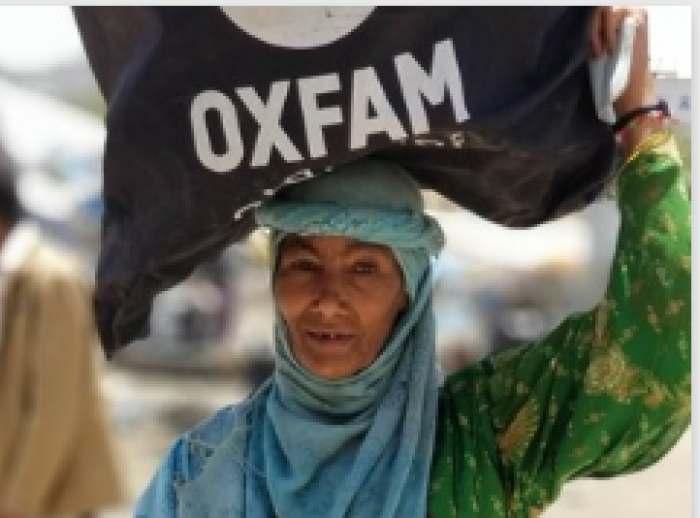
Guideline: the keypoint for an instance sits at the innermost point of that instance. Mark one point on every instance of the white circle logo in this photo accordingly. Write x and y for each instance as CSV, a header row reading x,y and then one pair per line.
x,y
298,27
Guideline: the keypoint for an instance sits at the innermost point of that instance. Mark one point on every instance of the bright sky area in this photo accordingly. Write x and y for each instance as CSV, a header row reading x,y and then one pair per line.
x,y
36,37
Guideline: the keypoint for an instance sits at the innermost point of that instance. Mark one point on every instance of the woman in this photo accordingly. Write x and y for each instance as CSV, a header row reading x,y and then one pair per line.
x,y
356,422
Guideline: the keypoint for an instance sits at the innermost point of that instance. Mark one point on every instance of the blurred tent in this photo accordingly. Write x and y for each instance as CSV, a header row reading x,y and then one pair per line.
x,y
34,127
58,152
497,286
576,251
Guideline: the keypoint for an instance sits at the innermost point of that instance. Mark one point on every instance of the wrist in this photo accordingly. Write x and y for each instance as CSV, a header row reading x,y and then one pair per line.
x,y
638,93
635,126
627,118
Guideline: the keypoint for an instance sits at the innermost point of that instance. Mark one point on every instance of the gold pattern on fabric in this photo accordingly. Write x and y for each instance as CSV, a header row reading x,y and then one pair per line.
x,y
512,443
607,393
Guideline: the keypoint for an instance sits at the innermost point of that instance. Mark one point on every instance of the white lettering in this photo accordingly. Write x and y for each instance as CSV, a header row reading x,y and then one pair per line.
x,y
231,158
444,75
367,90
268,117
315,117
299,176
370,110
241,212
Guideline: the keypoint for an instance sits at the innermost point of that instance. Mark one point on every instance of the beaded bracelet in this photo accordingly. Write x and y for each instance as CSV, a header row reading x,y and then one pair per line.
x,y
628,118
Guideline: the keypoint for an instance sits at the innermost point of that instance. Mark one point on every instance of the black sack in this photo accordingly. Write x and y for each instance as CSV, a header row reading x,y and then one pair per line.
x,y
490,106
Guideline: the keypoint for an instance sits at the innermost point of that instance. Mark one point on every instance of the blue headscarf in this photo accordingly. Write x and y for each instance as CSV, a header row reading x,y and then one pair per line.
x,y
360,446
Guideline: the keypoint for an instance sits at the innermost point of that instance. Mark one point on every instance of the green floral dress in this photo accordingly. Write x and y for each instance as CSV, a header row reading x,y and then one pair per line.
x,y
606,393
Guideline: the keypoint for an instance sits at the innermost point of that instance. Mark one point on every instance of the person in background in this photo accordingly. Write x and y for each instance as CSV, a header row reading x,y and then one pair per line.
x,y
357,421
56,452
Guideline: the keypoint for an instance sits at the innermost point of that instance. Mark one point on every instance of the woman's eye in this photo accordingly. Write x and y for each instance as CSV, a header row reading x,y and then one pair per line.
x,y
305,265
365,267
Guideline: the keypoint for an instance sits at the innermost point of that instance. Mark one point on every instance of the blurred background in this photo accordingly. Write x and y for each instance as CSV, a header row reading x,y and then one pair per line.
x,y
210,342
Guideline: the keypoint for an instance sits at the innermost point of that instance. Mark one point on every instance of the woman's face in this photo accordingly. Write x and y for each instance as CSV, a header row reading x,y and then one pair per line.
x,y
340,299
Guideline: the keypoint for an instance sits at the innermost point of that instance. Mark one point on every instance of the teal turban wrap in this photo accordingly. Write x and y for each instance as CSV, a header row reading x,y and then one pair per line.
x,y
359,446
372,201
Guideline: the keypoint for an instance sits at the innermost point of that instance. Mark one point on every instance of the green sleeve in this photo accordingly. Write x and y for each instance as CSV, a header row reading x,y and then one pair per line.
x,y
608,392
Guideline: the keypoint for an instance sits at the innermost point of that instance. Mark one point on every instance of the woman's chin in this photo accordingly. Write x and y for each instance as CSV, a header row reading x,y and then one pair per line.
x,y
332,367
331,358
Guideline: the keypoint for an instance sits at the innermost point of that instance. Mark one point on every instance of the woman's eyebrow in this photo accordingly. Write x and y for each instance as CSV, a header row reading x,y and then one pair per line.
x,y
296,243
361,246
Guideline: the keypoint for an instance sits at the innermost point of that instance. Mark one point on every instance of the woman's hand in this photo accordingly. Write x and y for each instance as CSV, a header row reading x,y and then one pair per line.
x,y
605,37
605,29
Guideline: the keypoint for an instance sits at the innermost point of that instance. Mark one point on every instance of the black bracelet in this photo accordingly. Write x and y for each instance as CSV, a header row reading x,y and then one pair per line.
x,y
628,117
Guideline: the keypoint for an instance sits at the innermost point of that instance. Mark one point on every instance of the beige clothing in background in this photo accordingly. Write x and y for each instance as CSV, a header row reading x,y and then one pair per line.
x,y
55,451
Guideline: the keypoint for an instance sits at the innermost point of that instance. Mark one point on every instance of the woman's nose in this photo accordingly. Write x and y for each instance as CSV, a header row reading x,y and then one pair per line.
x,y
331,295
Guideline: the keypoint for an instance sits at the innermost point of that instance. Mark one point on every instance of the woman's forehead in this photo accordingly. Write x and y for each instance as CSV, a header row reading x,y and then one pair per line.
x,y
337,244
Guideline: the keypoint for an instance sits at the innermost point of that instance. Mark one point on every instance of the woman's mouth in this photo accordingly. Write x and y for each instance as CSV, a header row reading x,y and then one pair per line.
x,y
330,337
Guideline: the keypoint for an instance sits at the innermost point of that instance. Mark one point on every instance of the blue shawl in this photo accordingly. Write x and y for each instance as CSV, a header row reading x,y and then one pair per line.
x,y
359,446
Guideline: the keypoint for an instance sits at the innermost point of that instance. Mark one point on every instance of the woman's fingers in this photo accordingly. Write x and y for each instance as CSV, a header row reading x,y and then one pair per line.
x,y
605,29
597,33
611,28
640,86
